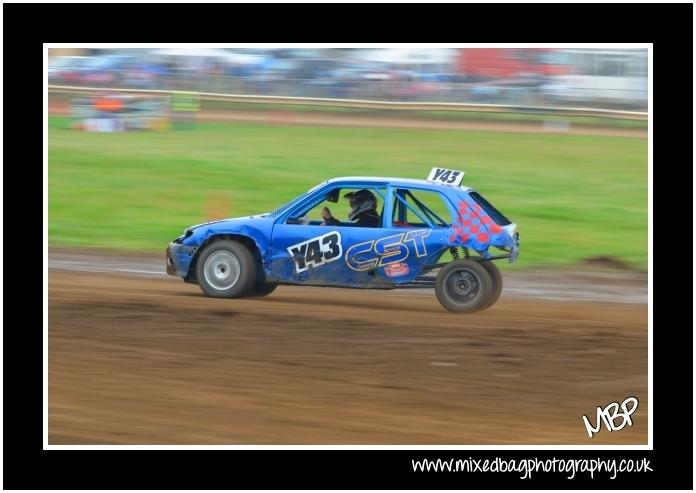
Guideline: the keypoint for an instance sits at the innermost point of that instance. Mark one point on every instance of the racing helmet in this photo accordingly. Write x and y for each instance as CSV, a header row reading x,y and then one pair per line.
x,y
360,201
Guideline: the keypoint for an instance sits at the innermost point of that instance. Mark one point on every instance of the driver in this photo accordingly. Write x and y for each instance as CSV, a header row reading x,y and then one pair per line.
x,y
363,210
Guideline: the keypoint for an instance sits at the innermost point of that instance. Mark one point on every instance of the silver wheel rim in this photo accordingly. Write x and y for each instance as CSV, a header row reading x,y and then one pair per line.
x,y
221,270
462,286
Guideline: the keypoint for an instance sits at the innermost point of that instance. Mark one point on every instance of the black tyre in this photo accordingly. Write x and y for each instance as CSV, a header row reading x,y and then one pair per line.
x,y
497,279
260,290
226,269
463,286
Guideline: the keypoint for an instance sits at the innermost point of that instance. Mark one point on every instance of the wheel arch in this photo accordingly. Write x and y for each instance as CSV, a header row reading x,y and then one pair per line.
x,y
247,241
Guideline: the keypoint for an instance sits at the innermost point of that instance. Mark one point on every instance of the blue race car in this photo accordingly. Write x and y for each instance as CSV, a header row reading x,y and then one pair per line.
x,y
398,234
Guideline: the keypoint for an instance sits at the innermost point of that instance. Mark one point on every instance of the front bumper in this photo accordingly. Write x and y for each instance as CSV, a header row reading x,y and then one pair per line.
x,y
178,259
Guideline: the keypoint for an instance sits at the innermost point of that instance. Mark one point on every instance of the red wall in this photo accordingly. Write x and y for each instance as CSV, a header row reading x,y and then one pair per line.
x,y
504,62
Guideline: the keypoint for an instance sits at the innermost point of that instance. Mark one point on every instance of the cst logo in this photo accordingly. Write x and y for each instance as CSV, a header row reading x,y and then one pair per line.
x,y
610,413
371,254
317,251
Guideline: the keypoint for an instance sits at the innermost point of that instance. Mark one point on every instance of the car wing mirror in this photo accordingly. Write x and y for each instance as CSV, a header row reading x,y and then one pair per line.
x,y
332,196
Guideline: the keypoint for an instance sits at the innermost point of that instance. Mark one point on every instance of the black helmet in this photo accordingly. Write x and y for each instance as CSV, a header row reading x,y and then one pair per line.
x,y
361,201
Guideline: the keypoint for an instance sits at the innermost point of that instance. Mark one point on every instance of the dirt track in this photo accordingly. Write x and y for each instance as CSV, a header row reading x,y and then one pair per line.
x,y
149,360
62,108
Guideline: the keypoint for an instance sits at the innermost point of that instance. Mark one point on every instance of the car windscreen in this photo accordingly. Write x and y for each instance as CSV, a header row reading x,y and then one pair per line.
x,y
285,207
294,201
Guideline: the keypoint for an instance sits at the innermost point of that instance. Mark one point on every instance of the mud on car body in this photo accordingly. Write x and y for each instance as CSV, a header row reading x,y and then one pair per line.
x,y
422,222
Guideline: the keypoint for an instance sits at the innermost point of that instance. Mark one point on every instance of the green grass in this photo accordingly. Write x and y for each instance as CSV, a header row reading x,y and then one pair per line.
x,y
573,196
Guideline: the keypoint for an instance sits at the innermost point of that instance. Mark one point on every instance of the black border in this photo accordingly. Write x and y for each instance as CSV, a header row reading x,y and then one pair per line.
x,y
27,26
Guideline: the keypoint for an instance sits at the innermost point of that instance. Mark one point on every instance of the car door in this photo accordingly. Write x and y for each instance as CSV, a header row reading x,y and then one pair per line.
x,y
322,255
309,253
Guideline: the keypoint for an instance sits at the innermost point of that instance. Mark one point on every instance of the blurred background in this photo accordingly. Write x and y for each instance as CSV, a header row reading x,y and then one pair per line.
x,y
538,77
556,138
143,143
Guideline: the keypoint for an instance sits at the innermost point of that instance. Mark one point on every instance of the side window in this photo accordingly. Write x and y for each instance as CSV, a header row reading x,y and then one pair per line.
x,y
420,208
344,210
497,216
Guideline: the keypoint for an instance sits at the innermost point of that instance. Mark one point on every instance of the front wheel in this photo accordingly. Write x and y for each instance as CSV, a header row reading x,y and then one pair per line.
x,y
463,286
260,290
226,269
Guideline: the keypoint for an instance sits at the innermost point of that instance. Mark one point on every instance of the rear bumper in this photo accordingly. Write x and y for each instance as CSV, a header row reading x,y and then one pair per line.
x,y
515,250
178,258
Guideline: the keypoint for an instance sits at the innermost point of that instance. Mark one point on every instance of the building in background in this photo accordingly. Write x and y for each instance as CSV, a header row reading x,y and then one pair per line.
x,y
608,78
497,63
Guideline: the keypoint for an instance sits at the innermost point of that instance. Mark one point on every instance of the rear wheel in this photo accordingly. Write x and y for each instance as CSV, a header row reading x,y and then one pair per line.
x,y
497,279
225,269
463,286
